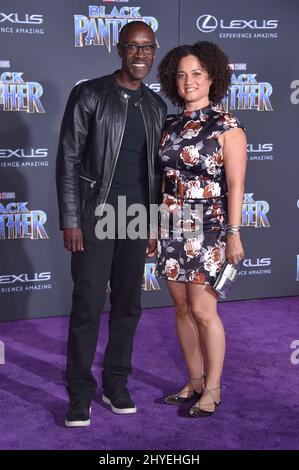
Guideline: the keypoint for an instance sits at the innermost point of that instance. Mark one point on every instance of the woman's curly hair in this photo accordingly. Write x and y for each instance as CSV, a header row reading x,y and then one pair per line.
x,y
212,58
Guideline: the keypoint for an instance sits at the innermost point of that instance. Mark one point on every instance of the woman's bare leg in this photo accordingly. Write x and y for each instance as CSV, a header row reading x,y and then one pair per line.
x,y
203,303
188,335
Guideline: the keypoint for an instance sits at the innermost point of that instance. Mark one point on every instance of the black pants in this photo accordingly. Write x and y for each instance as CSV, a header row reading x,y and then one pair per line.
x,y
121,261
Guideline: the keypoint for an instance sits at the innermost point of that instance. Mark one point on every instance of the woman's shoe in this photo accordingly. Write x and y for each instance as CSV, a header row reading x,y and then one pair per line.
x,y
176,399
197,412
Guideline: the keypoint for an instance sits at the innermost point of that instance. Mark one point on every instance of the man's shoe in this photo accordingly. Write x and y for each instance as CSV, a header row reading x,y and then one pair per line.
x,y
78,413
120,402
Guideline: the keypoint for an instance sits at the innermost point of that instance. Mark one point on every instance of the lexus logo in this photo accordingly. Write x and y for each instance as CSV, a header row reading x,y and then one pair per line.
x,y
24,278
207,23
22,153
19,19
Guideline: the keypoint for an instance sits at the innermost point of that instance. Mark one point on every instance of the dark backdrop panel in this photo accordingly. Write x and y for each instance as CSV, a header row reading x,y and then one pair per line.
x,y
258,38
38,52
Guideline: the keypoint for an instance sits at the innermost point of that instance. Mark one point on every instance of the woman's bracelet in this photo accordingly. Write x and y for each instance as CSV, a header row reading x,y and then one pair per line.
x,y
232,229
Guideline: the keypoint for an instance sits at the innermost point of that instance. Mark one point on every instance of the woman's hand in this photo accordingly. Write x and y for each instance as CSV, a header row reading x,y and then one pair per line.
x,y
234,249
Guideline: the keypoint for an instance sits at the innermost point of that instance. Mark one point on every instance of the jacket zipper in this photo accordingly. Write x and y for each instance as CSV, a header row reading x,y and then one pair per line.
x,y
117,155
92,182
148,157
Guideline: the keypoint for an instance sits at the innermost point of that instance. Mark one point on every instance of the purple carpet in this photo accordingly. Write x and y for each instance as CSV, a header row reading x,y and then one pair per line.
x,y
260,404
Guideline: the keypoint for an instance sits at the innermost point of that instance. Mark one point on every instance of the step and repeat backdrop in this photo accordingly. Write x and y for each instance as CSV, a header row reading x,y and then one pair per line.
x,y
47,47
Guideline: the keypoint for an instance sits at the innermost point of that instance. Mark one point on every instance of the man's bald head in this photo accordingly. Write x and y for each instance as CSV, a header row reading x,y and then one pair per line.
x,y
132,26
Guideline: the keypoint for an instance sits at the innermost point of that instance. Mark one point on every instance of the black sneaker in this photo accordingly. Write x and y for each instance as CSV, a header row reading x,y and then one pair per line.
x,y
78,413
120,402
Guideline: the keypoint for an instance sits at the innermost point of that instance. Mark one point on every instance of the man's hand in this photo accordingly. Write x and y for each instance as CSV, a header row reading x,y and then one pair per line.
x,y
73,239
151,248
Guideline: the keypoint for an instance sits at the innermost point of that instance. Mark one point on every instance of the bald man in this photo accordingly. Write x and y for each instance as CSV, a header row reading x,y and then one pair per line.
x,y
108,149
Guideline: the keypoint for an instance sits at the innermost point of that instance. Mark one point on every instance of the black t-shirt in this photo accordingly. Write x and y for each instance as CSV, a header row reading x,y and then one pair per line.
x,y
130,175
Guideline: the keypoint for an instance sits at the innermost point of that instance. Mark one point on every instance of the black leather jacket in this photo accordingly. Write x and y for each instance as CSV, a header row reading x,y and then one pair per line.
x,y
90,140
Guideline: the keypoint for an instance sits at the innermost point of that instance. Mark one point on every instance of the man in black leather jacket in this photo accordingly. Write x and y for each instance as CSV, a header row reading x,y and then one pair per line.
x,y
108,147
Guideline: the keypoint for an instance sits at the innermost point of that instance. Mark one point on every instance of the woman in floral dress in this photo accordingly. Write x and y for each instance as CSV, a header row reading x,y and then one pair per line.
x,y
203,156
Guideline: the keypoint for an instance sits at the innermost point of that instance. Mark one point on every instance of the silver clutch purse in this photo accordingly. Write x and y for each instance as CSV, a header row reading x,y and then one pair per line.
x,y
226,278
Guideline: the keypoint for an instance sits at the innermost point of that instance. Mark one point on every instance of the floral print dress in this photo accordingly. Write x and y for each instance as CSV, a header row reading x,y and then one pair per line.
x,y
193,174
